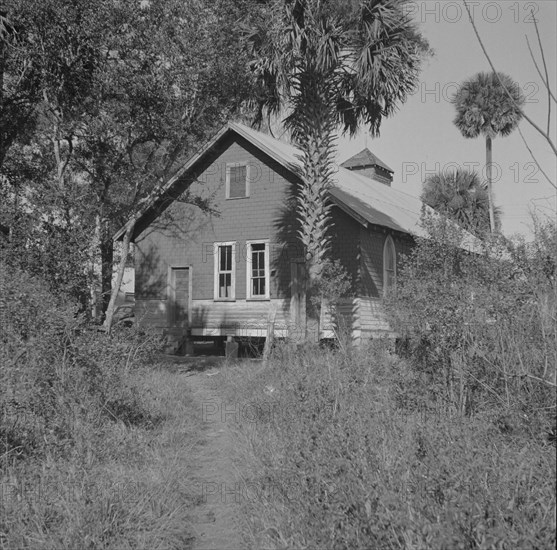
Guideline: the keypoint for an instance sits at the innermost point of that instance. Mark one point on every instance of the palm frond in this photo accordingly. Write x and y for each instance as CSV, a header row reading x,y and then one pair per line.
x,y
462,196
484,107
329,63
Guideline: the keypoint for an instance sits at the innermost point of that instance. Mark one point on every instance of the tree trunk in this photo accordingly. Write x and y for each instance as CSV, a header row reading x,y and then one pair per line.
x,y
107,267
488,166
96,297
314,131
2,64
120,275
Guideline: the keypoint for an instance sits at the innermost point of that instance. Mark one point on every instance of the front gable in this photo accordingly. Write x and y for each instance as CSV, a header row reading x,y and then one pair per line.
x,y
182,235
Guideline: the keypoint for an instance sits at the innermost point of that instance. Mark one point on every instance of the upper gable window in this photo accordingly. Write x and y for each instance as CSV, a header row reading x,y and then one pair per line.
x,y
237,180
389,265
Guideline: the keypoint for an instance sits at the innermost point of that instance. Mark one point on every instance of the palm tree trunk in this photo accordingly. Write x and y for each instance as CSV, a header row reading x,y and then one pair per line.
x,y
313,216
314,132
488,160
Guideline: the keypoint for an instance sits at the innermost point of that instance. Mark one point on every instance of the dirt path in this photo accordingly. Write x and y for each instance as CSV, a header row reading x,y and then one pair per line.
x,y
217,523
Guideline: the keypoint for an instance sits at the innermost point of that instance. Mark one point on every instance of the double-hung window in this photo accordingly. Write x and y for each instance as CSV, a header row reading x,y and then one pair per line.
x,y
257,270
237,180
225,271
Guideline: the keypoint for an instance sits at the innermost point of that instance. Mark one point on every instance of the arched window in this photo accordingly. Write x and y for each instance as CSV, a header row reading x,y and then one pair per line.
x,y
389,265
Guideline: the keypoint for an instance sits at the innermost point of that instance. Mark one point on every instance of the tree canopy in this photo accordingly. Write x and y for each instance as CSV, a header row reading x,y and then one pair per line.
x,y
102,100
461,196
366,54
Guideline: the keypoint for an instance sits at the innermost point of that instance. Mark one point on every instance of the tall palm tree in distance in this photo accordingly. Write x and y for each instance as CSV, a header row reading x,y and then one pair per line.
x,y
483,107
325,64
461,196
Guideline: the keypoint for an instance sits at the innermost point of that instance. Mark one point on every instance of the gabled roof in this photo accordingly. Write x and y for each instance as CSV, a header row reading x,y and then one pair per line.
x,y
366,200
369,201
365,158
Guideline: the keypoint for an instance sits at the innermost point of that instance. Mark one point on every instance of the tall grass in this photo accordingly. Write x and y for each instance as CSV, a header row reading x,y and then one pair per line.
x,y
347,459
90,433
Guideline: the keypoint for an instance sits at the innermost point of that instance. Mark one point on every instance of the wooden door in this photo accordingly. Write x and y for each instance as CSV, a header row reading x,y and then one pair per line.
x,y
179,296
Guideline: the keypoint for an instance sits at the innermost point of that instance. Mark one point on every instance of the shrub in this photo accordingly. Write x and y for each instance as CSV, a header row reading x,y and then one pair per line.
x,y
333,284
80,465
59,254
61,378
482,325
345,462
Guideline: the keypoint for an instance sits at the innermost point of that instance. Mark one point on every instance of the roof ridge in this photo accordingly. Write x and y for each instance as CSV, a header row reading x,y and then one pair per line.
x,y
372,201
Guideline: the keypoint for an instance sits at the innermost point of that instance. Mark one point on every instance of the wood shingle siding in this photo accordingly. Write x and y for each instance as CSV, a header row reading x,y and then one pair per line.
x,y
171,233
184,237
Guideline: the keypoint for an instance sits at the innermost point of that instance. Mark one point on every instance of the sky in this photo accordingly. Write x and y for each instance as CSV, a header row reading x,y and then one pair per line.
x,y
421,138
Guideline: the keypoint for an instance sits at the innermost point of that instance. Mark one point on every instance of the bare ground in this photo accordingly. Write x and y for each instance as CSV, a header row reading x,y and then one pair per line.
x,y
217,480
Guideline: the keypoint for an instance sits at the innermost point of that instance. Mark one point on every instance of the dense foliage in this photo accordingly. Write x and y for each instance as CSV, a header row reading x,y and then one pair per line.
x,y
100,102
80,431
448,443
482,325
58,374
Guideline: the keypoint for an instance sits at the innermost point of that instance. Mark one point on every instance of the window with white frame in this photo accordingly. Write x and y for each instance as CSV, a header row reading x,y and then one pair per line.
x,y
257,270
225,271
237,180
389,265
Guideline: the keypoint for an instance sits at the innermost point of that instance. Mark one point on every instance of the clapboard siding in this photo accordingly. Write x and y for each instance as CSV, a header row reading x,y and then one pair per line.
x,y
363,313
371,262
372,315
241,313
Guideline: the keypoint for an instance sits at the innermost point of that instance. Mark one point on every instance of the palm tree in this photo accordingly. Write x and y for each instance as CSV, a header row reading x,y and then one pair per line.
x,y
489,104
461,196
328,63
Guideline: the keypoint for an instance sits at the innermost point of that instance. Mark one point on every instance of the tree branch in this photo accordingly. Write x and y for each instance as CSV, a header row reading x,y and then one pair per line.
x,y
70,151
546,84
535,159
545,70
526,117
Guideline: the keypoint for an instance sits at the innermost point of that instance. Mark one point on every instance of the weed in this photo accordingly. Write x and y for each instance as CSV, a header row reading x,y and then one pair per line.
x,y
367,467
84,427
